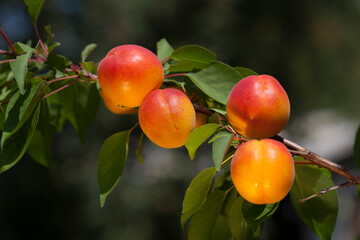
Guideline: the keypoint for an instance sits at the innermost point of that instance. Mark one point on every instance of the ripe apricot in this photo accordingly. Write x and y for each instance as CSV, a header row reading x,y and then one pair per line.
x,y
128,73
116,108
201,119
258,107
167,117
262,171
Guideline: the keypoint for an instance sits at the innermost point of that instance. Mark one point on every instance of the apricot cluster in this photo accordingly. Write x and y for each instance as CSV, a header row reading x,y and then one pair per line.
x,y
130,76
262,170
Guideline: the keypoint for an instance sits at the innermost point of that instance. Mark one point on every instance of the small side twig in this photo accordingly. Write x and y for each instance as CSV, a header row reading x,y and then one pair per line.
x,y
61,88
40,41
325,191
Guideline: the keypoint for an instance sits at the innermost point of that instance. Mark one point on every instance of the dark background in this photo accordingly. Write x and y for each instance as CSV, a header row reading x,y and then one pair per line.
x,y
311,47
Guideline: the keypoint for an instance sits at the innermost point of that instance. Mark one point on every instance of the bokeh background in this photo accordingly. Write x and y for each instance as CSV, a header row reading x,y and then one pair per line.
x,y
311,46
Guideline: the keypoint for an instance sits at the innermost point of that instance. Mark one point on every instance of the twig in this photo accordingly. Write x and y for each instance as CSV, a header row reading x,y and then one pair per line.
x,y
4,52
325,191
208,112
318,160
63,78
8,41
61,88
40,41
165,59
175,75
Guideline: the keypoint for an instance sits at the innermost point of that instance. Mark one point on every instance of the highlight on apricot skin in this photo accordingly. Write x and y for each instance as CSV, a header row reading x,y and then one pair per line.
x,y
258,107
262,171
116,107
167,117
129,73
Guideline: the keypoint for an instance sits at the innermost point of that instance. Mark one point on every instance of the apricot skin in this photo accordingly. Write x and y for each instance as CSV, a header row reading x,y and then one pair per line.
x,y
201,119
167,117
262,171
128,73
116,108
258,107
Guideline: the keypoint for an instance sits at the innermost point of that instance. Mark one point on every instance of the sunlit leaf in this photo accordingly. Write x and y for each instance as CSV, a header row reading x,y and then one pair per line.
x,y
220,147
87,50
19,69
198,136
164,49
244,72
196,193
216,81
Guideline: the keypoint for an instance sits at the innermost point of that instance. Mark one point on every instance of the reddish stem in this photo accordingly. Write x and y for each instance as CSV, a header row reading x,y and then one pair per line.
x,y
304,163
175,75
8,60
61,88
8,41
164,60
40,41
6,52
63,78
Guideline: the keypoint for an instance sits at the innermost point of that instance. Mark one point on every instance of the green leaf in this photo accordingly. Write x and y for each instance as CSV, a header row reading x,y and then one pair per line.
x,y
17,143
319,213
34,8
39,150
357,148
198,136
89,67
220,147
191,57
50,35
244,72
196,193
112,159
20,108
255,214
79,104
194,53
221,230
19,69
57,61
204,220
87,50
164,49
216,81
26,48
139,149
238,225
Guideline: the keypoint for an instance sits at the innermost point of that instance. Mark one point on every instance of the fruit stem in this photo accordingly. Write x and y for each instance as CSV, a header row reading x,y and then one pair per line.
x,y
175,75
63,78
8,41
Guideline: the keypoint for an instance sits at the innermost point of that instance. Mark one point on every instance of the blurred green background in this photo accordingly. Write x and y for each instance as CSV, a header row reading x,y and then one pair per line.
x,y
311,47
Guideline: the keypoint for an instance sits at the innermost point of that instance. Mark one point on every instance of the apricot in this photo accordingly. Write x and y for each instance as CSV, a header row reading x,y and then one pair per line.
x,y
167,117
128,73
115,107
262,171
258,107
201,119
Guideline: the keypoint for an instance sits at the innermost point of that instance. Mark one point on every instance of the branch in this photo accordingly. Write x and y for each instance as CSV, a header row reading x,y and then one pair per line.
x,y
297,149
346,184
8,41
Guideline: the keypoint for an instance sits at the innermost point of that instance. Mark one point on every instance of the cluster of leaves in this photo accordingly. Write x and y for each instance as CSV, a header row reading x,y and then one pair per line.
x,y
41,90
